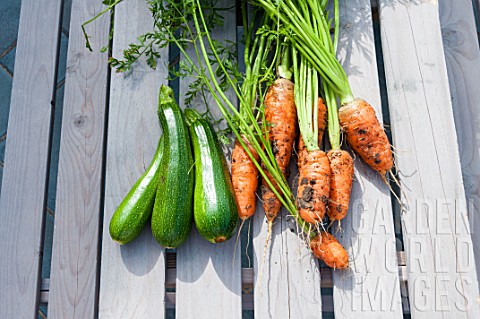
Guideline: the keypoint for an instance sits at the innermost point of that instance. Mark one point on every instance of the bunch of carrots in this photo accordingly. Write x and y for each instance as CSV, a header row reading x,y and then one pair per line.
x,y
292,90
325,178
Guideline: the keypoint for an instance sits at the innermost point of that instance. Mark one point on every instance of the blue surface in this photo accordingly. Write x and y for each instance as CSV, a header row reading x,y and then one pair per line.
x,y
47,245
2,151
8,60
9,19
5,93
67,8
42,312
52,185
62,62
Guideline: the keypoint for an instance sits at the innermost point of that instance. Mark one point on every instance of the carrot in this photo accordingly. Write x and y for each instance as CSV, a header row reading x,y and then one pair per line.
x,y
281,126
281,121
313,186
365,135
244,179
313,166
322,123
327,248
341,164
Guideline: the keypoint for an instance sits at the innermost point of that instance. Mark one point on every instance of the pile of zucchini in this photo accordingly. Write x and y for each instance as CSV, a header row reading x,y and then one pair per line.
x,y
178,186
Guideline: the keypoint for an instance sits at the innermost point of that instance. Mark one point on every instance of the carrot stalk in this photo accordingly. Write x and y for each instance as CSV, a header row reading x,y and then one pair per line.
x,y
341,163
322,123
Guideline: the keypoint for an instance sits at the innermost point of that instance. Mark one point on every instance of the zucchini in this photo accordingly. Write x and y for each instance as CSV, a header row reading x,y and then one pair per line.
x,y
215,207
136,208
172,215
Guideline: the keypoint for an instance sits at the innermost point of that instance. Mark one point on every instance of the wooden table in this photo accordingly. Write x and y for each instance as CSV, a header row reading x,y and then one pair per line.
x,y
109,131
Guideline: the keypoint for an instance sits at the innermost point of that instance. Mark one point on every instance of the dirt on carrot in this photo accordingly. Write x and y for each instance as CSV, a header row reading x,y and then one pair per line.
x,y
341,164
327,248
365,135
313,186
244,179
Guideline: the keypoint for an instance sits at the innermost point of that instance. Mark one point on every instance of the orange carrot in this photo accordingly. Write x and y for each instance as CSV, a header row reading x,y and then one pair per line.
x,y
281,124
322,123
327,248
313,186
365,135
341,164
244,179
281,121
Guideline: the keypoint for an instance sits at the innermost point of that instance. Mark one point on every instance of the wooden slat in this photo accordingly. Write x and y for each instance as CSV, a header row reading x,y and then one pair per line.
x,y
22,202
208,281
370,288
462,55
132,276
79,187
440,264
289,286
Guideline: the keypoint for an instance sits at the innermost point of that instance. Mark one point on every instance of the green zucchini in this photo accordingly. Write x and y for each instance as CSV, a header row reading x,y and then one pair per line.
x,y
172,215
215,208
136,208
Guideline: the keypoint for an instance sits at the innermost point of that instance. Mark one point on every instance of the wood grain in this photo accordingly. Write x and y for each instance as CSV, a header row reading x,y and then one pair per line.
x,y
74,267
370,288
442,280
133,275
462,55
24,184
202,266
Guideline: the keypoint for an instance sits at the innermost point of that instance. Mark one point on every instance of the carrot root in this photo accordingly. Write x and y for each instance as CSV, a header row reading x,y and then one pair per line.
x,y
237,241
265,248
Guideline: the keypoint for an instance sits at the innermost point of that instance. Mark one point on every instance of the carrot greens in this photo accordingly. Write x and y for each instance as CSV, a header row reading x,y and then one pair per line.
x,y
309,42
